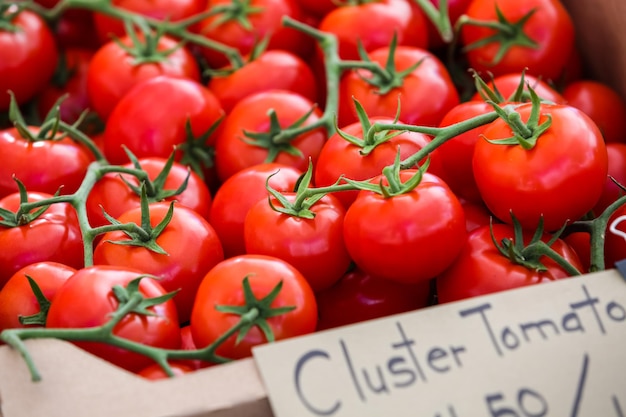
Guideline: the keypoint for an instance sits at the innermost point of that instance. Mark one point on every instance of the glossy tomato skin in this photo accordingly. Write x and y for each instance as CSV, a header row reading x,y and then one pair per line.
x,y
481,269
358,297
455,155
267,22
172,10
113,71
158,131
233,153
17,298
282,70
315,247
43,166
560,178
550,27
54,236
617,169
341,157
374,25
191,244
223,286
430,79
603,104
87,300
28,57
112,194
408,238
239,193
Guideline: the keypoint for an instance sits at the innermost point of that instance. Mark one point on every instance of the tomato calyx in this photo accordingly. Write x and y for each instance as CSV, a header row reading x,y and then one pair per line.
x,y
277,139
131,296
369,141
507,34
387,78
304,200
440,18
255,311
529,256
524,134
23,215
196,152
144,235
146,50
8,12
38,319
236,10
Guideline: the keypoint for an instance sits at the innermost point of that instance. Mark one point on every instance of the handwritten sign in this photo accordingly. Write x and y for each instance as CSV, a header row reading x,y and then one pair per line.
x,y
556,349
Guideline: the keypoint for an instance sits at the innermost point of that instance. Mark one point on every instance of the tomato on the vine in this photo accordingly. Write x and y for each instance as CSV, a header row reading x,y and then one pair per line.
x,y
223,286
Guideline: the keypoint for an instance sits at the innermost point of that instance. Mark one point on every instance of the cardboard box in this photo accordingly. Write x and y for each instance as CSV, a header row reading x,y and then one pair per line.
x,y
78,384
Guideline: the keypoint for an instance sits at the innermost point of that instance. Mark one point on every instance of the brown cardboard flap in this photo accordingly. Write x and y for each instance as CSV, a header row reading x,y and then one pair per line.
x,y
76,383
601,40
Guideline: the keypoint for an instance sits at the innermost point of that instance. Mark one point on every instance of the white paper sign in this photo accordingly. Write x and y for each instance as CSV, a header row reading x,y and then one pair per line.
x,y
556,349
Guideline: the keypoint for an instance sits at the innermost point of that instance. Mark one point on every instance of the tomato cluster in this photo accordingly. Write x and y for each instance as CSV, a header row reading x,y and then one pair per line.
x,y
231,172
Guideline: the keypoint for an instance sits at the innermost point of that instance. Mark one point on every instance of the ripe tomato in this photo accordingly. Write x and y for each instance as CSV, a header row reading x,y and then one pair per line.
x,y
242,23
171,10
87,300
233,152
315,247
237,194
114,195
317,8
358,297
17,298
430,79
282,70
603,104
481,269
342,157
617,169
185,261
549,27
560,178
28,55
154,372
114,70
408,238
59,163
72,82
374,24
158,131
53,236
222,286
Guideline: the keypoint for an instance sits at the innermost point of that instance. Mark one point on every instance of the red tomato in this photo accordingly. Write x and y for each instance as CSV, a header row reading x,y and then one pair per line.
x,y
154,372
550,27
455,155
561,177
60,163
245,23
87,300
53,236
315,247
113,70
476,215
430,79
113,194
17,298
341,157
232,150
158,131
617,169
73,83
191,249
172,10
581,243
237,194
76,29
281,70
28,56
507,85
358,297
374,24
408,238
603,104
317,8
481,269
223,286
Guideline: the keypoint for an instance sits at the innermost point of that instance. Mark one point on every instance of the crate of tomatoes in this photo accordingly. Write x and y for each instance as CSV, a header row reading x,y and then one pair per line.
x,y
312,207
